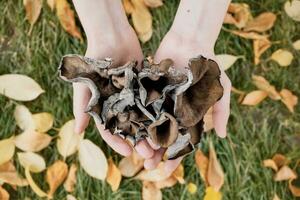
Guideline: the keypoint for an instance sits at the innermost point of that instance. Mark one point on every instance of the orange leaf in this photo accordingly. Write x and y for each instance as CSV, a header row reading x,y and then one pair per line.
x,y
262,84
208,120
131,165
169,182
128,7
67,18
249,35
9,175
114,175
157,174
294,189
4,195
285,173
240,13
51,4
289,99
261,23
150,192
270,164
259,47
179,174
33,10
153,3
202,165
276,197
71,179
280,160
255,97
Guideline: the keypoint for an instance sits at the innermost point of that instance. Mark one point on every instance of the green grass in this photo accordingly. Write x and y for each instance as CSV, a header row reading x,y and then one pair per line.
x,y
255,133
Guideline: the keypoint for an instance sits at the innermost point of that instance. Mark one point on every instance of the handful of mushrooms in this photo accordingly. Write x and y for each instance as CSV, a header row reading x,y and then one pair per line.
x,y
156,101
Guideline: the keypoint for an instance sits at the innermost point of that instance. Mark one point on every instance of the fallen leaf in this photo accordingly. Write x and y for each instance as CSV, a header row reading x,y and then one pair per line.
x,y
192,188
7,149
43,122
226,60
261,23
283,57
211,194
262,84
280,160
153,175
295,190
249,35
292,9
131,165
169,182
128,7
23,117
114,175
240,13
289,99
51,4
9,175
4,195
179,174
19,87
276,197
215,174
255,97
259,47
202,165
31,140
33,185
67,143
296,45
241,94
229,19
269,163
153,3
142,20
55,176
33,161
71,178
208,120
33,10
67,18
71,197
92,159
285,173
150,192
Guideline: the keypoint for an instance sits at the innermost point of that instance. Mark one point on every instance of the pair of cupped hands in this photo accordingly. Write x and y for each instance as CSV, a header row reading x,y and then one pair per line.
x,y
127,47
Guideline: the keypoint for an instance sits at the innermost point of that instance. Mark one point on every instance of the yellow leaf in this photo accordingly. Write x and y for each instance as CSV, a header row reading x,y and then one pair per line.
x,y
71,179
55,176
43,121
283,57
292,9
33,161
23,117
114,175
192,188
280,160
202,165
211,194
150,192
285,173
296,45
226,60
255,97
51,4
92,159
208,120
179,174
142,20
31,140
169,182
33,9
295,190
215,174
68,140
249,35
157,174
261,23
4,195
276,197
67,18
33,185
262,84
131,165
269,163
240,13
19,87
259,47
7,149
153,3
128,7
289,99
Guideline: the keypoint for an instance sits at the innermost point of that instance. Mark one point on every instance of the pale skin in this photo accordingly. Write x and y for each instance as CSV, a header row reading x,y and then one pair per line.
x,y
195,30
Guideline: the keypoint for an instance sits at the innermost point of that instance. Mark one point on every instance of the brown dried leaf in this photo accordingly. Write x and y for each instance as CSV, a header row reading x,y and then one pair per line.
x,y
249,35
4,195
202,165
269,163
215,174
292,9
153,3
280,160
33,9
240,13
131,165
259,47
255,97
31,140
295,190
67,18
261,23
55,176
150,192
283,57
7,149
70,182
289,99
285,173
262,84
114,175
43,121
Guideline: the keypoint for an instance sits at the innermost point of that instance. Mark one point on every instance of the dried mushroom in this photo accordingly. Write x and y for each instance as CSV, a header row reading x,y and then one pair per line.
x,y
156,101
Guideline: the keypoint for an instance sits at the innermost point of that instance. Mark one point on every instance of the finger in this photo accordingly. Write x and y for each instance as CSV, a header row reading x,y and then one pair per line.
x,y
221,109
153,146
156,158
171,165
81,97
144,149
115,142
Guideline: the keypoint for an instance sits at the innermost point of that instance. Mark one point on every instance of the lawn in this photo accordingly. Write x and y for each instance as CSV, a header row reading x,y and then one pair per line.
x,y
255,133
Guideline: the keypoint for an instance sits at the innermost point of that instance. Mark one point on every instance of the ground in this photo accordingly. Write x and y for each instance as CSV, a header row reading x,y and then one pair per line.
x,y
255,133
